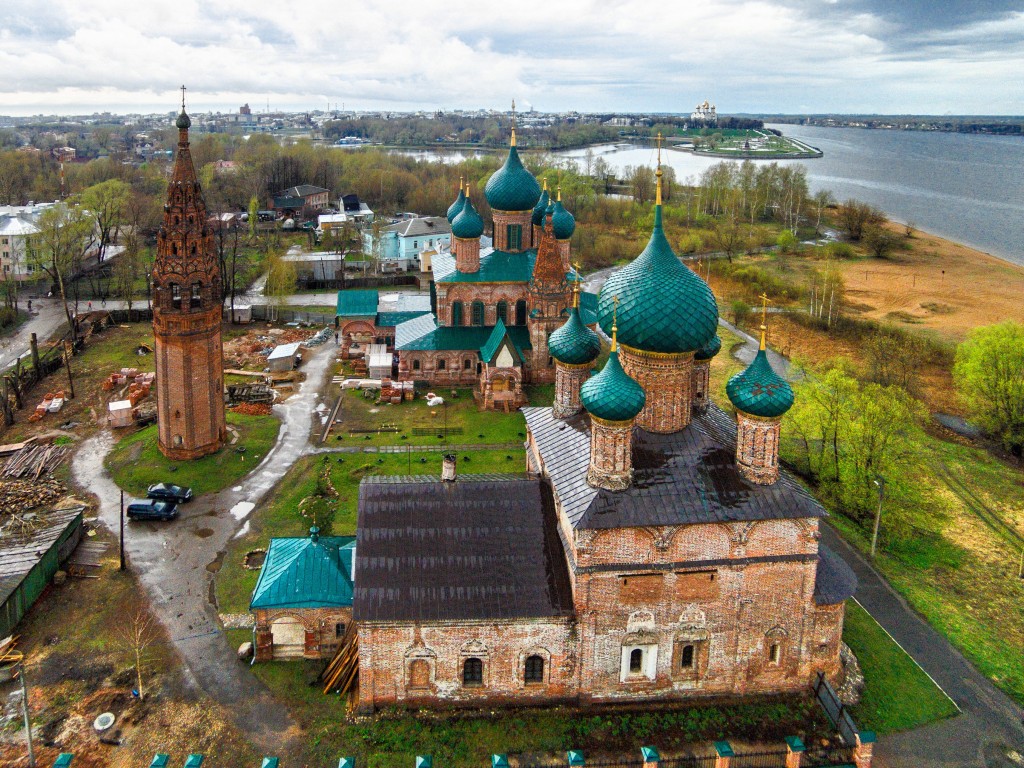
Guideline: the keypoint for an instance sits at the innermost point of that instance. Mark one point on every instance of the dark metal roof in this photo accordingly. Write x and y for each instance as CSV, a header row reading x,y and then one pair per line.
x,y
834,580
482,547
686,477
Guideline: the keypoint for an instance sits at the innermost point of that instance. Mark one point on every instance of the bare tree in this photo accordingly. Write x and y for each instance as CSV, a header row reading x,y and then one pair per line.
x,y
66,234
136,636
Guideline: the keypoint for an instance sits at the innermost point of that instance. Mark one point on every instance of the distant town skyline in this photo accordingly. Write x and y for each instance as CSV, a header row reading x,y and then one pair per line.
x,y
753,56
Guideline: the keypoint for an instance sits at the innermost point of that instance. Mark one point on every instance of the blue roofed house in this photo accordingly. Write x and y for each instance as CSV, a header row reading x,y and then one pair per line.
x,y
303,599
401,243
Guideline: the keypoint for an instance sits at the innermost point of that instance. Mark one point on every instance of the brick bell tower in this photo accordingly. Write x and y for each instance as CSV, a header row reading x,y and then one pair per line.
x,y
187,317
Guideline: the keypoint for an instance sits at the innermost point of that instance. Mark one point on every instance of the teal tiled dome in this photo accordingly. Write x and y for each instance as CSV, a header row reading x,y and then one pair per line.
x,y
612,395
468,223
663,305
759,390
512,187
709,350
456,208
574,343
540,208
562,221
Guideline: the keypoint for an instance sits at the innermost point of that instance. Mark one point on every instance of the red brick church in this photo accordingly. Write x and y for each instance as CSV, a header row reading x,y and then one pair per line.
x,y
652,550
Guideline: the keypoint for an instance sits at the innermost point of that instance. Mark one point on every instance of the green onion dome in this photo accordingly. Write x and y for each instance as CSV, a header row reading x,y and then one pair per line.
x,y
663,306
456,208
540,208
512,187
183,121
612,395
562,222
709,350
468,224
574,343
759,390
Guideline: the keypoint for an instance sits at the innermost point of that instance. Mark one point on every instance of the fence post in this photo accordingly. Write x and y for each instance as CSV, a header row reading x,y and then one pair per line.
x,y
794,750
864,749
651,756
724,754
34,345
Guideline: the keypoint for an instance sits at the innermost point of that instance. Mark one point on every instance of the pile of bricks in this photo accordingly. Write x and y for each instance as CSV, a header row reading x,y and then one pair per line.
x,y
130,376
253,409
52,403
395,392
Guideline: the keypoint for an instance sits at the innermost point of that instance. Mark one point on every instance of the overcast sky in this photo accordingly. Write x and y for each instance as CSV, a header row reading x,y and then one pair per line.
x,y
790,56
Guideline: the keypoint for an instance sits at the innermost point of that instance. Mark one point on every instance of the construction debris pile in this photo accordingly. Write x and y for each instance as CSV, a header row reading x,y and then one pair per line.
x,y
395,392
139,384
19,496
321,337
250,350
250,393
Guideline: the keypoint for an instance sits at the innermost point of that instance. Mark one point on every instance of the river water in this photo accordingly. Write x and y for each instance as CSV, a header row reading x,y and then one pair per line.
x,y
966,188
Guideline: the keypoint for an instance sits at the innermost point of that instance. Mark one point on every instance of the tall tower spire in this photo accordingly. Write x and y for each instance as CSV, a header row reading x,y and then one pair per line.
x,y
187,317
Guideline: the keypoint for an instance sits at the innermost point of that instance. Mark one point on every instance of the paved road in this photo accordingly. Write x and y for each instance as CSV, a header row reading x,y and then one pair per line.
x,y
175,561
47,316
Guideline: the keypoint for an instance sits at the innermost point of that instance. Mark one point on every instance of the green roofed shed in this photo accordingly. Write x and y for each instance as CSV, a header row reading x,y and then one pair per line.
x,y
308,572
424,761
63,760
361,303
346,762
160,760
269,762
575,757
194,761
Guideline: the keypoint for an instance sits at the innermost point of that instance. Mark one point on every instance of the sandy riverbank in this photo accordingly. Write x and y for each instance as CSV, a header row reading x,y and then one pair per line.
x,y
936,284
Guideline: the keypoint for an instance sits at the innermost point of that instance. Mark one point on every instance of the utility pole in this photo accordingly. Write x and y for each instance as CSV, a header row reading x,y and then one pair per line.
x,y
122,530
24,707
879,481
67,364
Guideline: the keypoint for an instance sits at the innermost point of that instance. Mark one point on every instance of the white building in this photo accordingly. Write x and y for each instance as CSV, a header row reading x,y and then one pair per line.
x,y
17,225
704,113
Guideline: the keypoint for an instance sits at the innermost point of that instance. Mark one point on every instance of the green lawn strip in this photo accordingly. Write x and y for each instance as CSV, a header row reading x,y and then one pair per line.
x,y
136,461
280,514
459,413
392,739
898,694
113,349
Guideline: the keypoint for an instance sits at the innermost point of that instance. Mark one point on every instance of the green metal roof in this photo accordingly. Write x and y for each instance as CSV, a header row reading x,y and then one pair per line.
x,y
456,208
574,343
362,303
563,222
663,305
391,319
424,334
611,394
308,572
759,390
588,308
495,267
710,349
512,187
468,224
493,343
540,208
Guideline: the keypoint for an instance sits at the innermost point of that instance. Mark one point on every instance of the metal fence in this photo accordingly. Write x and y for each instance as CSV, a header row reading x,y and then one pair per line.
x,y
769,759
835,709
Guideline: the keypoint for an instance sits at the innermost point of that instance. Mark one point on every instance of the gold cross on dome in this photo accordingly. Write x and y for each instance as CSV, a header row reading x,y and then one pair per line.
x,y
659,147
576,286
764,308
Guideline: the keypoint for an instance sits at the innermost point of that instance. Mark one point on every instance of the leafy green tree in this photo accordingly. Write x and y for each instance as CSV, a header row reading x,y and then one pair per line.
x,y
786,241
989,373
66,234
281,279
108,204
878,240
254,215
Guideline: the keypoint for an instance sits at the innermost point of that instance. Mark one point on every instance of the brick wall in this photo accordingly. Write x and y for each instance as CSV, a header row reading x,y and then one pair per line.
x,y
757,448
501,220
423,663
568,380
611,454
467,254
700,386
320,625
667,381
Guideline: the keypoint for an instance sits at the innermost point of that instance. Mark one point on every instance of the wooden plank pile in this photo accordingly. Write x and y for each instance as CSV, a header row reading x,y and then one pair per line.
x,y
34,461
343,671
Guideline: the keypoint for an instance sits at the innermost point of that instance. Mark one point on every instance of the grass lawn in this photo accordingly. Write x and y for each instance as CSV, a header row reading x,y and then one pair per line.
x,y
898,695
493,427
136,461
281,514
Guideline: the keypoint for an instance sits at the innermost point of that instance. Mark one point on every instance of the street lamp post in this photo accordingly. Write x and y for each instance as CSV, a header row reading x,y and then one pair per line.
x,y
28,721
879,482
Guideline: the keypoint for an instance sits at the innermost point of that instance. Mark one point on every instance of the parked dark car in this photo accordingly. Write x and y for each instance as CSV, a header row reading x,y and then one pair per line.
x,y
152,509
168,492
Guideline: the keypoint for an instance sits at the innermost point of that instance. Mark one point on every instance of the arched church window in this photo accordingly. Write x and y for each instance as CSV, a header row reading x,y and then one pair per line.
x,y
502,312
478,313
197,295
521,312
636,660
175,295
534,670
456,313
473,672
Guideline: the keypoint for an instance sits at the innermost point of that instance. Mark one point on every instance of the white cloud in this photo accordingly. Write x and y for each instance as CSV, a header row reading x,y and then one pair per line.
x,y
746,55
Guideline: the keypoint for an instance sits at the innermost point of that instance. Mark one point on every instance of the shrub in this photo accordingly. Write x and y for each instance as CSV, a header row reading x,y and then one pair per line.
x,y
8,316
786,241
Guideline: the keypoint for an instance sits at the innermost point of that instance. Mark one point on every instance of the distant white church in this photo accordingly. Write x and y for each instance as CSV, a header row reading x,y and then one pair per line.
x,y
704,113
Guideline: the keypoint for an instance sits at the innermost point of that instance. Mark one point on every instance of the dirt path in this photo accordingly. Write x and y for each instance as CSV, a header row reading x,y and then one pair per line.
x,y
176,562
